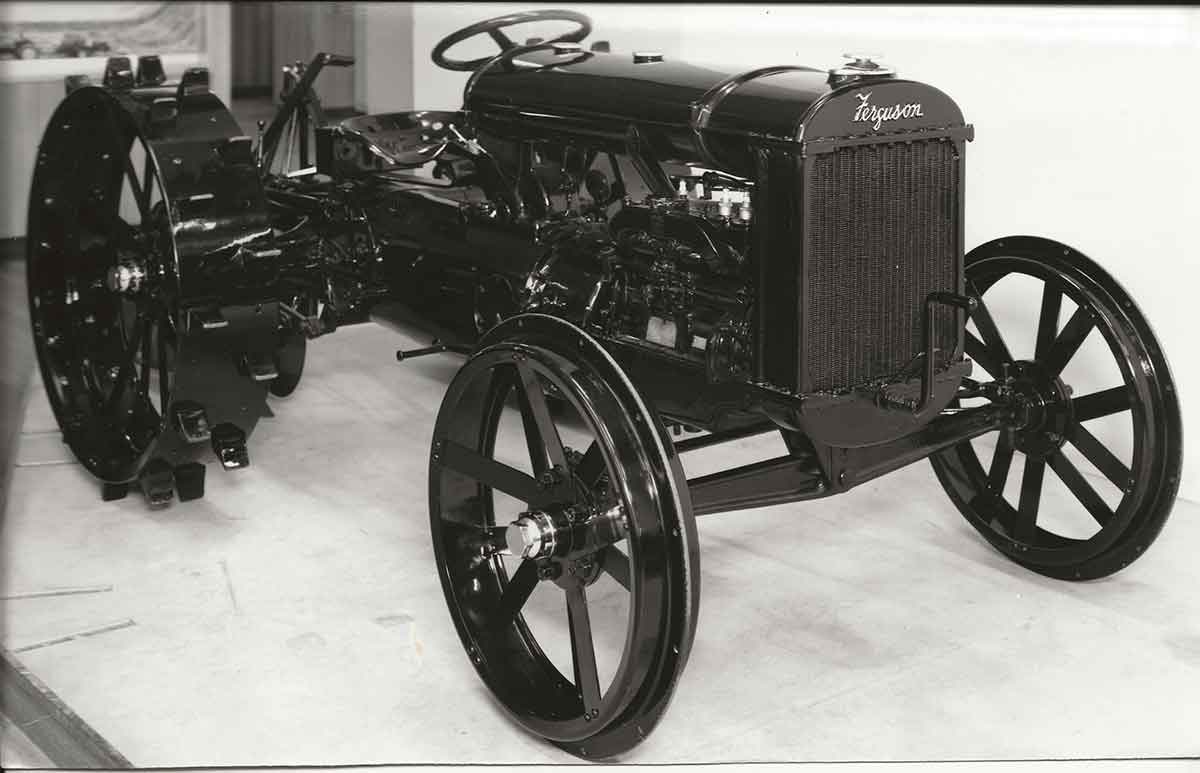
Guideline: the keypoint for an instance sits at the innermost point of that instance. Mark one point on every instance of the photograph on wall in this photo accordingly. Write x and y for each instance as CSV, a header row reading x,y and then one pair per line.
x,y
36,33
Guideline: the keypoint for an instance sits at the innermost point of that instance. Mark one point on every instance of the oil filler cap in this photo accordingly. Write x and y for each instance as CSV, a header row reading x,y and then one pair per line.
x,y
646,57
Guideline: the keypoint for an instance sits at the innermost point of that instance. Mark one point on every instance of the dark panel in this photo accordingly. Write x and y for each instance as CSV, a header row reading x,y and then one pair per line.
x,y
777,236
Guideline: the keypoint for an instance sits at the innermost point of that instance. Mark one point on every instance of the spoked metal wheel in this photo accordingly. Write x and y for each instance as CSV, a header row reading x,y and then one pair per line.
x,y
103,287
564,537
1092,400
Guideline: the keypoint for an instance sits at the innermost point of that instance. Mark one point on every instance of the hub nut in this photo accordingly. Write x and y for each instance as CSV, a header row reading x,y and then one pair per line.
x,y
530,536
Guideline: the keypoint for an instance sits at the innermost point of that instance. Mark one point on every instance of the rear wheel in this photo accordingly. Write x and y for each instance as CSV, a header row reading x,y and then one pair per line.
x,y
1093,400
564,538
103,290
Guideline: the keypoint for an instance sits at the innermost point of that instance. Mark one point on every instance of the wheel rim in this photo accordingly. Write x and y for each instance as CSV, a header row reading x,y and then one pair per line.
x,y
1131,481
506,627
102,268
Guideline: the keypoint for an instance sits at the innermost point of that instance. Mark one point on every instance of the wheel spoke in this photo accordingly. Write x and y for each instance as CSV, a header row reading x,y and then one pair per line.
x,y
591,466
493,474
139,197
108,227
583,651
1069,341
616,564
1048,319
1031,497
147,184
1079,486
130,172
545,446
1098,404
977,351
502,40
144,373
518,590
988,330
125,374
164,392
1098,454
1001,461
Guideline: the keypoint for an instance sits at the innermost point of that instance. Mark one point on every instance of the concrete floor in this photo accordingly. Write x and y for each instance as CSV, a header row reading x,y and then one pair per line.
x,y
294,616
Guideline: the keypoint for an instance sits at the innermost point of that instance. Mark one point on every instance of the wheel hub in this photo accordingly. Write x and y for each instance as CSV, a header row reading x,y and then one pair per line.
x,y
127,276
1043,408
532,535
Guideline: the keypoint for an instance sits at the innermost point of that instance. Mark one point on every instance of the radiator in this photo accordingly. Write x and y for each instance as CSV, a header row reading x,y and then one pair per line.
x,y
880,234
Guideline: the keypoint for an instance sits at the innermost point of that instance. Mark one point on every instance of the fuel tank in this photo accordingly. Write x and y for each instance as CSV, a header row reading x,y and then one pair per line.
x,y
694,113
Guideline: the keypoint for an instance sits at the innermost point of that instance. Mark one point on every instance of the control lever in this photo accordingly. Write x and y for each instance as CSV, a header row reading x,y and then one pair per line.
x,y
298,93
436,348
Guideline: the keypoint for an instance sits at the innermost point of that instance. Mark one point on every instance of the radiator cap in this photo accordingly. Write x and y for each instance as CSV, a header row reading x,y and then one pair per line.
x,y
860,66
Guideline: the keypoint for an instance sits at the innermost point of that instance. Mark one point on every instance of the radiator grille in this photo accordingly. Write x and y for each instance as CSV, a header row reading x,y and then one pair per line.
x,y
881,234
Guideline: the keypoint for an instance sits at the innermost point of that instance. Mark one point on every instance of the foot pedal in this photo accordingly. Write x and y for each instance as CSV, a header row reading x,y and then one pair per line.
x,y
261,367
229,444
110,492
158,483
209,319
189,481
192,421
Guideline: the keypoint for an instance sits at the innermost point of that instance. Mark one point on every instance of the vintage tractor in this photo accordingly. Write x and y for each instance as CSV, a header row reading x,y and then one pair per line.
x,y
625,247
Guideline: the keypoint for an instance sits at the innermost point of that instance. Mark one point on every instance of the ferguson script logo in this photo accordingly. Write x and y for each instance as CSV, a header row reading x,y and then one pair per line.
x,y
866,112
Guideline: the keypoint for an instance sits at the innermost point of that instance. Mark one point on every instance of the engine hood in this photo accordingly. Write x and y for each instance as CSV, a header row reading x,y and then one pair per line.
x,y
691,112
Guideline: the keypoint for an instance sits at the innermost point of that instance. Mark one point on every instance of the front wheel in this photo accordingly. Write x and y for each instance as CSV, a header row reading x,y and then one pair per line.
x,y
1093,400
564,537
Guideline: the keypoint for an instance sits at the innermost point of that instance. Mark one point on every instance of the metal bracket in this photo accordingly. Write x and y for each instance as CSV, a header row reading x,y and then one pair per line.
x,y
189,480
229,445
192,421
928,383
118,73
261,366
150,71
157,481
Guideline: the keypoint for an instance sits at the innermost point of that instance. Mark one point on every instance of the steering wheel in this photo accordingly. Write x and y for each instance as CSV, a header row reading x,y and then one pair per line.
x,y
493,28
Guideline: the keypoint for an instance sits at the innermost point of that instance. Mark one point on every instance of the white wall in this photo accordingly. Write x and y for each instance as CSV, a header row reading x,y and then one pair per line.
x,y
383,53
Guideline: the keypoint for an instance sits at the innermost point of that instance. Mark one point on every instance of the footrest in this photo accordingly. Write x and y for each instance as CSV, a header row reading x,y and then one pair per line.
x,y
157,482
229,444
192,421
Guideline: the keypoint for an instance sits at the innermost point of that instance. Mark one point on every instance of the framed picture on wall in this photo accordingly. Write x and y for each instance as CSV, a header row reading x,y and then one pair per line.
x,y
42,41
